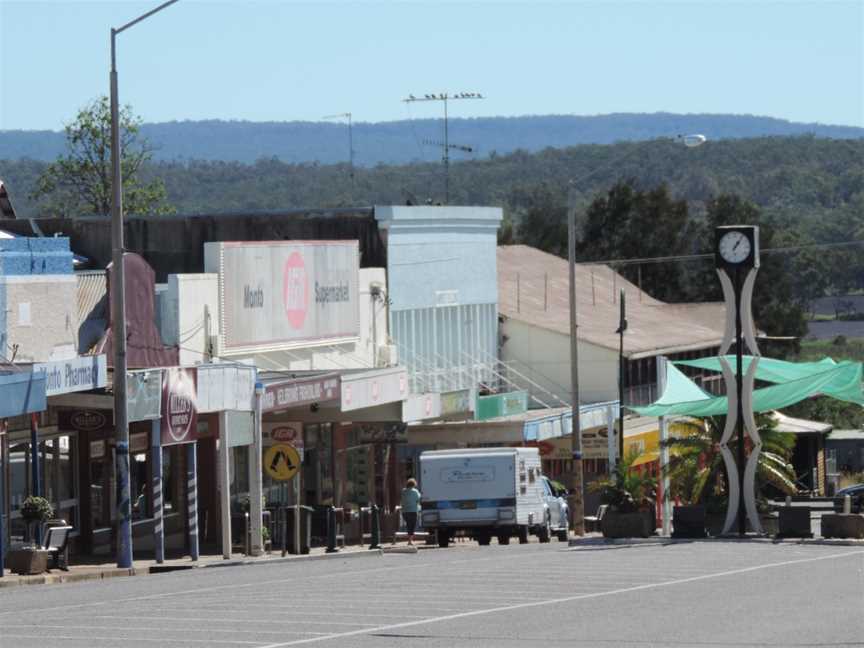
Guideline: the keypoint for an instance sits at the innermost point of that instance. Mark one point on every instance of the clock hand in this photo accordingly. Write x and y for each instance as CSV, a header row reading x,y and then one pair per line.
x,y
737,243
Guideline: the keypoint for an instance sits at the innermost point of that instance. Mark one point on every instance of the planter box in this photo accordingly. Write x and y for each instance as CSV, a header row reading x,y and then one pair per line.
x,y
688,522
840,525
714,523
627,525
794,522
27,561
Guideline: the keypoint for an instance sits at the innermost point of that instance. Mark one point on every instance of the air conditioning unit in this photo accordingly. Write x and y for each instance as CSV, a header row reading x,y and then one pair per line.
x,y
387,356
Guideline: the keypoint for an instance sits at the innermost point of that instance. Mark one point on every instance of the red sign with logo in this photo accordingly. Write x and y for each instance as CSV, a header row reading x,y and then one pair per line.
x,y
179,406
295,287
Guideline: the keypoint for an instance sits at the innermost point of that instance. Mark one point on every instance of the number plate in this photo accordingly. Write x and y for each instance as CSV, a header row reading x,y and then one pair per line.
x,y
468,505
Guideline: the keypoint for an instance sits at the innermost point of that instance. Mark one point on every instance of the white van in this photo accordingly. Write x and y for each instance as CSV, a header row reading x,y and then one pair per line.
x,y
487,492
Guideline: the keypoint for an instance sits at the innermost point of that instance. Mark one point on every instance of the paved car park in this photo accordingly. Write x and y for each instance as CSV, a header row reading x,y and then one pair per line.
x,y
701,593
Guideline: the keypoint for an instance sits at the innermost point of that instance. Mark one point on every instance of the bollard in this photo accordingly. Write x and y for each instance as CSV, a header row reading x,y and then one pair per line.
x,y
283,525
788,500
331,530
847,504
375,531
247,534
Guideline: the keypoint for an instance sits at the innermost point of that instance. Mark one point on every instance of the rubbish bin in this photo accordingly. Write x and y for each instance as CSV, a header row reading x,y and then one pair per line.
x,y
289,518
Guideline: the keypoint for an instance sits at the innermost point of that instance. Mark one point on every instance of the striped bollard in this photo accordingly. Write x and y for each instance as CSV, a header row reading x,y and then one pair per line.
x,y
192,497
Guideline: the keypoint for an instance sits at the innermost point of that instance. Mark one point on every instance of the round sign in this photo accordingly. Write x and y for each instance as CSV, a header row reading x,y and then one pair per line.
x,y
282,462
295,290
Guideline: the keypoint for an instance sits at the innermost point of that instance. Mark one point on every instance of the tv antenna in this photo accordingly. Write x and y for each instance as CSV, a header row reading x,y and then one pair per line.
x,y
347,116
446,147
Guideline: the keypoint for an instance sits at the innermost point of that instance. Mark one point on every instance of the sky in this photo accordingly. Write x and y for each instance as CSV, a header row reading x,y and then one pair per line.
x,y
280,60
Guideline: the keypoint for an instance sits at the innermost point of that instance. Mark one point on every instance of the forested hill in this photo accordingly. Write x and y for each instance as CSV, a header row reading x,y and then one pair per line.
x,y
401,142
800,179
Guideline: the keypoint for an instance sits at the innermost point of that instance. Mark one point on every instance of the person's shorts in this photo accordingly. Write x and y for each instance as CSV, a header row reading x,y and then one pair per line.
x,y
410,522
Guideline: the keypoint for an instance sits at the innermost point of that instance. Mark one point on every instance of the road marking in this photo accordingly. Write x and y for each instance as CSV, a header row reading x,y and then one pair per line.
x,y
260,584
566,599
42,639
124,628
282,617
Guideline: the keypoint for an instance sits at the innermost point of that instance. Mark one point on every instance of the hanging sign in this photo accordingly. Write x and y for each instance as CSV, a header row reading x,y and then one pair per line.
x,y
179,407
282,462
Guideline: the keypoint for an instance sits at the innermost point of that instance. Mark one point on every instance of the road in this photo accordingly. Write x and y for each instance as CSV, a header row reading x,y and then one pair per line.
x,y
697,594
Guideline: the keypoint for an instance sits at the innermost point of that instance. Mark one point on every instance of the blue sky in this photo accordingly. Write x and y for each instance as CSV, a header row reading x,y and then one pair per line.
x,y
284,60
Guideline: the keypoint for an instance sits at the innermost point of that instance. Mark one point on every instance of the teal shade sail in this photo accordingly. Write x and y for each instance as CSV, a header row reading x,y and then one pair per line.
x,y
793,382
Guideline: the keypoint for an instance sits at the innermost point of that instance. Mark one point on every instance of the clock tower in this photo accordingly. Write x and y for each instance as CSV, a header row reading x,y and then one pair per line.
x,y
736,257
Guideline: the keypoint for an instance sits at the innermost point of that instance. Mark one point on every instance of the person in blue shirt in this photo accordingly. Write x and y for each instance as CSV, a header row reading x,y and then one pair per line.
x,y
410,508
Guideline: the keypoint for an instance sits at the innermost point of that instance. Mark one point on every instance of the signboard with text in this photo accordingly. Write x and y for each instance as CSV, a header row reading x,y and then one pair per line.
x,y
296,392
73,375
280,293
179,407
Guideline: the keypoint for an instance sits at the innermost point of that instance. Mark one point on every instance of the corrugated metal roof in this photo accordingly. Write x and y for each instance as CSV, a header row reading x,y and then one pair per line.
x,y
92,308
792,425
654,327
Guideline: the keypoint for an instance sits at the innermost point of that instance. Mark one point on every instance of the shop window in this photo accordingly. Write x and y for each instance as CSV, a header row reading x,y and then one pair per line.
x,y
139,485
239,476
169,490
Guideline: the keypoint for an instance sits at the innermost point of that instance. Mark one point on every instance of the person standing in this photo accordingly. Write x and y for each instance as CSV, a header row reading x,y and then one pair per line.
x,y
410,508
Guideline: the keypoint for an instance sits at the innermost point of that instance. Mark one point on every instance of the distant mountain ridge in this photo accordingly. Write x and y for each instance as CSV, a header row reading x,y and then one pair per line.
x,y
400,142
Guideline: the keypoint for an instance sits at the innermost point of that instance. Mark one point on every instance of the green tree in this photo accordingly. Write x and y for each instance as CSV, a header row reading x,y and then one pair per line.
x,y
79,182
628,223
696,470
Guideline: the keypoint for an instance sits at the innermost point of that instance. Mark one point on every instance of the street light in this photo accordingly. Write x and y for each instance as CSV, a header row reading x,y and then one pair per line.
x,y
118,315
577,485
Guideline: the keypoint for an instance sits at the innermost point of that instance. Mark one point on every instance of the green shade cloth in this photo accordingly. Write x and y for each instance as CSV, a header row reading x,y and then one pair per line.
x,y
793,384
769,369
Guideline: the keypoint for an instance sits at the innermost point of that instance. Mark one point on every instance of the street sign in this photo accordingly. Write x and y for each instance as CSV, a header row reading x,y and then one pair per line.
x,y
282,462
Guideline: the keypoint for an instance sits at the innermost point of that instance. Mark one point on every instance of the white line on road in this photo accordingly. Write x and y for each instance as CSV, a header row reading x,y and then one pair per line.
x,y
567,599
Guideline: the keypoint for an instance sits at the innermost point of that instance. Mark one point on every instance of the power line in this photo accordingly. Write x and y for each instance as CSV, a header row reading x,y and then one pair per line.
x,y
710,255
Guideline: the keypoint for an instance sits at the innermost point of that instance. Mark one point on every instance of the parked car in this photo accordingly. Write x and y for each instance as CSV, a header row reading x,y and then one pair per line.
x,y
559,511
486,492
856,492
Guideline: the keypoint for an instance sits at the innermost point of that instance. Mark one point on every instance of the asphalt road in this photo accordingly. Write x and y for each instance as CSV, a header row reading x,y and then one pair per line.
x,y
698,594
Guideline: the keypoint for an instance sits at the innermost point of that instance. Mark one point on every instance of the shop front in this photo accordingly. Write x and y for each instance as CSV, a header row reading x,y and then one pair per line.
x,y
44,452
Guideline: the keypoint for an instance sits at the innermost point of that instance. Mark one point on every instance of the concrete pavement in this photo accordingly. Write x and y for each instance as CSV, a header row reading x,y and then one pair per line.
x,y
717,594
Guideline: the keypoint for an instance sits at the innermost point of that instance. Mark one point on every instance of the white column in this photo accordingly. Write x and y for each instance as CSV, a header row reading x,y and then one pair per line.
x,y
612,447
256,490
664,450
224,482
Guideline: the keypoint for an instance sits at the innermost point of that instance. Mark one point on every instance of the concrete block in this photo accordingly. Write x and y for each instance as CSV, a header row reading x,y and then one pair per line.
x,y
794,522
840,525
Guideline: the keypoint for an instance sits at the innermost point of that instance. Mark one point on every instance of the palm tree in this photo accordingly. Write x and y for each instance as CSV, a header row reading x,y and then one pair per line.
x,y
696,471
627,490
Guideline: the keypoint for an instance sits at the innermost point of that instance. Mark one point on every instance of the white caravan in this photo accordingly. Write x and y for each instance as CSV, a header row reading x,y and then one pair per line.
x,y
487,492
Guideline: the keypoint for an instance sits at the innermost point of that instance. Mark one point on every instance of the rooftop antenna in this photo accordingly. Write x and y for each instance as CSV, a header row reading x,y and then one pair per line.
x,y
347,116
444,97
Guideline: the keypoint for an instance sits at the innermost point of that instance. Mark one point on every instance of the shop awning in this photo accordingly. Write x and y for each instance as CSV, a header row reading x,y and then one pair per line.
x,y
22,392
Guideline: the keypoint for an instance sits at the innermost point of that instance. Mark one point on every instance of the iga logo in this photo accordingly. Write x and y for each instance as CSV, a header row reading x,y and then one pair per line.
x,y
295,290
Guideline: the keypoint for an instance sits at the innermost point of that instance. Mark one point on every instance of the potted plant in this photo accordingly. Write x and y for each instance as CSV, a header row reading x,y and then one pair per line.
x,y
630,497
698,477
35,511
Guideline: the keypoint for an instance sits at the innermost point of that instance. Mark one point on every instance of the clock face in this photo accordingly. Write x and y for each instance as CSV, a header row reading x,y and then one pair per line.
x,y
734,247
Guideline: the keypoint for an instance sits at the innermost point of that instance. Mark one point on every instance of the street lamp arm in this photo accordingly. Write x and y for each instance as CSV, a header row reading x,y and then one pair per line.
x,y
143,17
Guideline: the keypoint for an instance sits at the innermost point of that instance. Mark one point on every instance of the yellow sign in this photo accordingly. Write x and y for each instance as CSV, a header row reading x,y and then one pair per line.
x,y
282,462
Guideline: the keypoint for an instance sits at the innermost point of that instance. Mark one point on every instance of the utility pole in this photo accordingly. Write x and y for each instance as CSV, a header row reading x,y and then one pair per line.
x,y
347,116
446,146
118,314
577,488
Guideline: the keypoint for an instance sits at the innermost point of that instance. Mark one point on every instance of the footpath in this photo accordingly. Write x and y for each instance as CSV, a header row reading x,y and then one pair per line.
x,y
102,570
